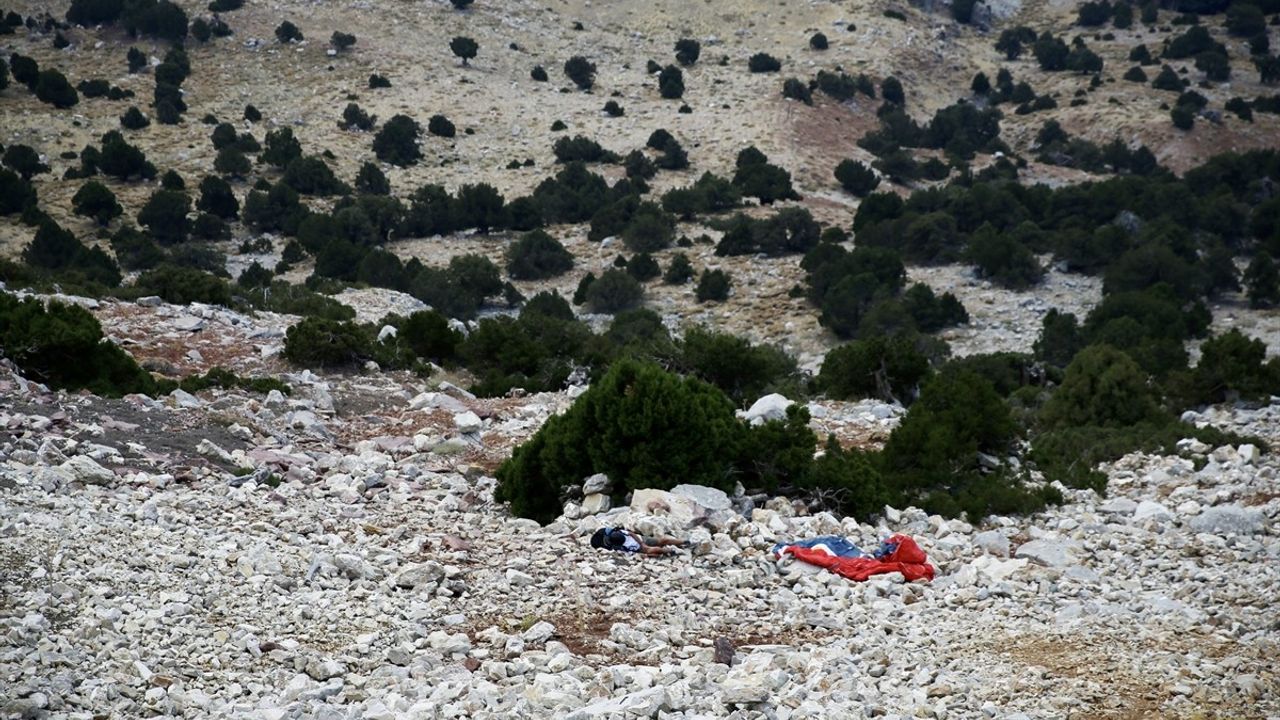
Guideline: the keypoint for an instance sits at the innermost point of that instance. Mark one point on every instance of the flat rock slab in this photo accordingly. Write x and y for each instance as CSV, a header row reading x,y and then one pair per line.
x,y
1050,553
1229,519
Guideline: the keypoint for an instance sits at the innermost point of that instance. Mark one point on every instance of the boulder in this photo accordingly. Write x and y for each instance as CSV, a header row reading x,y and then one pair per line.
x,y
324,669
467,422
1118,506
437,400
681,511
769,407
451,389
714,500
420,574
1229,519
540,633
752,680
640,704
184,399
517,578
686,506
595,503
1151,510
188,323
1050,553
996,570
85,470
700,542
598,483
992,542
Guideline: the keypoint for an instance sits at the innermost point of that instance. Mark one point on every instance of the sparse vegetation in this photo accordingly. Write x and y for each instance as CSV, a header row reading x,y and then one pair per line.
x,y
581,71
397,141
763,63
287,32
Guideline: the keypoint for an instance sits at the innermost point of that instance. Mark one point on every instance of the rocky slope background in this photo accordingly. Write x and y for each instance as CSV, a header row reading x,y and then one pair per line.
x,y
230,549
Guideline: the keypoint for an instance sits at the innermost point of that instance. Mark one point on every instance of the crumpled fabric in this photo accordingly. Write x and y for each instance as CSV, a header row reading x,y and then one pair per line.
x,y
900,554
831,544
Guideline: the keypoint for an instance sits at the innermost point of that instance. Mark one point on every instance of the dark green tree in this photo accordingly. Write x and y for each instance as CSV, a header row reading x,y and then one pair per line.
x,y
371,180
1051,52
440,126
742,370
856,178
763,63
428,335
217,198
1000,257
319,342
713,285
1234,366
397,141
287,32
52,87
88,13
643,267
671,82
933,454
581,71
25,70
795,89
16,194
355,117
1262,281
231,162
63,346
891,90
537,256
687,51
1102,387
613,292
641,426
464,48
96,201
980,85
311,175
1183,117
165,216
342,41
280,148
754,176
481,206
136,59
1167,79
24,160
133,119
52,248
680,271
886,367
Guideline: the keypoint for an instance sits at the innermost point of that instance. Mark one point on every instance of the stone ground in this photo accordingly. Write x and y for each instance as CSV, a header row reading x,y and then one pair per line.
x,y
336,553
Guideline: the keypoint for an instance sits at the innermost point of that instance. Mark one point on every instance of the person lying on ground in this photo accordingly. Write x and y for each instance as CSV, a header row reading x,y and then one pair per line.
x,y
627,541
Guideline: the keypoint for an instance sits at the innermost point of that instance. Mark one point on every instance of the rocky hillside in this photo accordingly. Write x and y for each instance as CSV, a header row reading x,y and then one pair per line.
x,y
313,251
